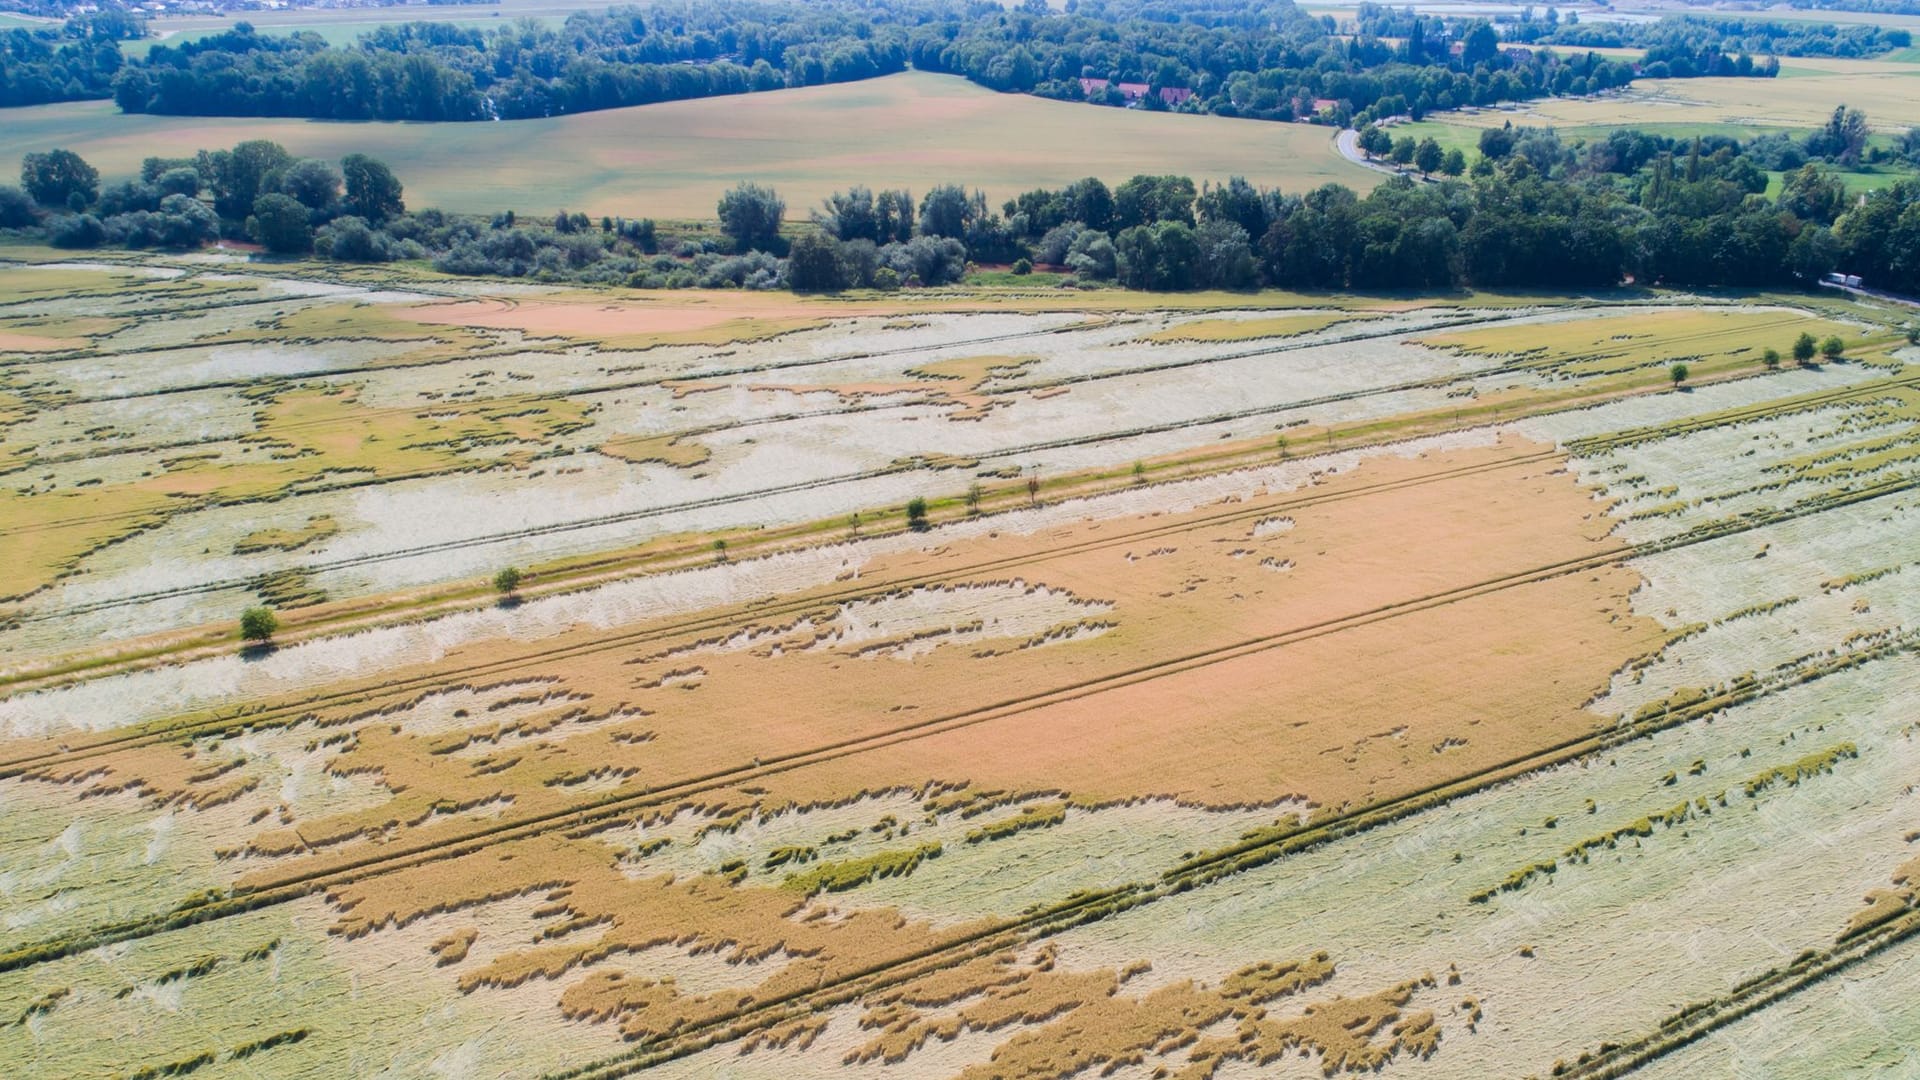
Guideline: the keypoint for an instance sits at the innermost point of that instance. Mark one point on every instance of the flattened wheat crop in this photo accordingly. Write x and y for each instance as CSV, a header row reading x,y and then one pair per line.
x,y
1325,687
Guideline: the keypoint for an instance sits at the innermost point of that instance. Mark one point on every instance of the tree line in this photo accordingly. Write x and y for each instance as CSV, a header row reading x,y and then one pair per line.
x,y
1264,59
1531,210
73,62
439,71
1679,41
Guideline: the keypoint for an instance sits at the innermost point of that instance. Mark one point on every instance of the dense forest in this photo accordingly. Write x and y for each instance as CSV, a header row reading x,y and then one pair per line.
x,y
76,62
1532,210
1265,59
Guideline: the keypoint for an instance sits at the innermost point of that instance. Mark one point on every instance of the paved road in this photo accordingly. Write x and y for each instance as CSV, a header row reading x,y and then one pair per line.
x,y
1876,294
1348,142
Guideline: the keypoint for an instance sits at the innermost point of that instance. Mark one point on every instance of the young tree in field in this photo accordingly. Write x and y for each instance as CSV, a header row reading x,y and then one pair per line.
x,y
373,192
1427,157
751,214
279,223
1678,373
1833,347
1454,163
53,178
916,513
1771,358
507,581
257,624
1803,349
1403,149
973,497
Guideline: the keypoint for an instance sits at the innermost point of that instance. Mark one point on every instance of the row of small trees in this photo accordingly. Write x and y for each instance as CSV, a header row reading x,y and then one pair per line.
x,y
1804,350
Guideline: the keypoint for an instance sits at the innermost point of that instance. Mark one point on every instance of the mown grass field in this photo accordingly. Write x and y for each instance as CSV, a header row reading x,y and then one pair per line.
x,y
1803,96
1364,685
673,160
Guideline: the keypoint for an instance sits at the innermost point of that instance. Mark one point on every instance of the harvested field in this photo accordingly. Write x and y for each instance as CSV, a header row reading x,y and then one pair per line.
x,y
1275,685
674,159
1803,97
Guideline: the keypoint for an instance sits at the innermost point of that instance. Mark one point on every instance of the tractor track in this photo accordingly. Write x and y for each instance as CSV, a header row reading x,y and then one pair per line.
x,y
603,813
764,612
643,513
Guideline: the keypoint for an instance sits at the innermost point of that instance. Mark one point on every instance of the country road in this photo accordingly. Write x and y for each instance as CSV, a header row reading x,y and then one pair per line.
x,y
1348,143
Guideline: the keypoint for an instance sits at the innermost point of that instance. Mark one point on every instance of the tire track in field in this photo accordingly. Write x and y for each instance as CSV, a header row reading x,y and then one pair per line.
x,y
1594,445
613,809
1361,335
643,513
1696,1021
395,692
1511,367
1267,846
729,372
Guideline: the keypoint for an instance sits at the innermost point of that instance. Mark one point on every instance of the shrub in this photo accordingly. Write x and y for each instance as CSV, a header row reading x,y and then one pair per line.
x,y
16,208
1092,256
77,231
917,513
815,264
927,259
351,239
1022,267
258,624
1053,247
